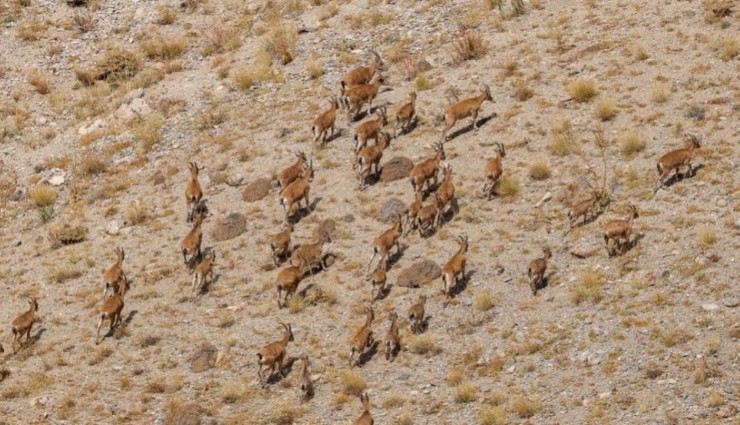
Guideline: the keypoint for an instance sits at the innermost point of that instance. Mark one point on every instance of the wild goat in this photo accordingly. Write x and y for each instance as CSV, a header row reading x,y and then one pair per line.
x,y
323,125
493,171
311,256
23,323
366,418
416,314
454,270
466,108
370,129
619,231
190,245
203,271
427,170
111,309
306,384
676,159
428,217
297,191
585,209
362,339
357,96
369,158
446,194
193,192
405,115
536,270
362,74
378,279
273,354
412,211
287,281
114,274
385,242
280,244
392,340
293,172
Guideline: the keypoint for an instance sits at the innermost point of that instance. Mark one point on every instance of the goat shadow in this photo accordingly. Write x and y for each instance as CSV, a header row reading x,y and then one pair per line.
x,y
332,137
411,127
690,174
544,283
481,121
303,212
462,284
277,376
627,246
368,354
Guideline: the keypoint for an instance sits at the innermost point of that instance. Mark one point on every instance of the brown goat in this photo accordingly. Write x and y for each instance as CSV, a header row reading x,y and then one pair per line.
x,y
428,217
111,309
426,171
416,314
466,108
323,125
193,193
293,172
378,279
306,384
618,231
385,242
287,281
585,209
23,323
676,159
362,74
392,340
454,270
280,244
297,191
273,354
446,194
493,171
405,115
536,270
203,271
362,339
190,245
356,97
114,274
366,418
368,159
311,256
370,129
412,211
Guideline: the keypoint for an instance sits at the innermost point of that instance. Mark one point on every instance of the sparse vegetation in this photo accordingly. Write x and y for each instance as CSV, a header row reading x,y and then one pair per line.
x,y
582,90
539,169
631,142
605,108
469,46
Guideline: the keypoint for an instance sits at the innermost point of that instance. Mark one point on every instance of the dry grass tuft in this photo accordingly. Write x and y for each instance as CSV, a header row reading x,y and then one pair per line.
x,y
43,195
279,44
707,237
424,344
582,90
525,407
314,67
148,131
92,166
221,39
660,93
352,383
631,142
539,169
421,83
483,301
136,213
164,47
492,416
508,187
39,82
244,78
116,65
470,45
522,91
587,288
605,109
466,393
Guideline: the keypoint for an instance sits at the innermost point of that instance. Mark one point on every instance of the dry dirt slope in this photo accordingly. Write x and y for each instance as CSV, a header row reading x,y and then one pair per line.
x,y
648,337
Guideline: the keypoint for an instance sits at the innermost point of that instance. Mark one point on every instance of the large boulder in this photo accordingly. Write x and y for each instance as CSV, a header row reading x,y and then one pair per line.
x,y
392,210
204,358
419,274
257,190
230,227
396,168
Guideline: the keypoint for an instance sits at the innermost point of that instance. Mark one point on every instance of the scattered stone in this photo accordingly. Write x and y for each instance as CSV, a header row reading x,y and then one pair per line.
x,y
709,307
95,126
584,249
57,180
204,358
392,210
728,411
722,203
230,227
159,178
257,190
418,274
113,228
133,94
701,260
67,235
731,302
396,168
17,243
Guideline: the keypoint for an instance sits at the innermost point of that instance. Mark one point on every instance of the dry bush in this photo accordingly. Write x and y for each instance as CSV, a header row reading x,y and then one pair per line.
x,y
191,5
59,273
352,383
421,83
244,78
706,237
117,65
587,288
39,81
518,7
84,21
631,142
522,91
92,166
562,140
220,39
639,53
539,169
508,187
279,44
31,30
166,15
492,416
314,67
466,393
136,213
232,392
147,130
424,344
730,47
483,301
525,407
582,90
660,93
43,195
164,47
605,109
470,45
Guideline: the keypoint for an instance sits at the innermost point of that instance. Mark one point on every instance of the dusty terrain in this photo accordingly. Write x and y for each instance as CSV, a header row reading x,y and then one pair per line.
x,y
94,147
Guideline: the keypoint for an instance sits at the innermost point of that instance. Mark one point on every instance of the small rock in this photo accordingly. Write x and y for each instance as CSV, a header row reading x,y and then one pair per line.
x,y
16,243
701,260
113,228
584,249
257,190
230,227
133,94
728,411
709,307
57,180
418,274
722,203
204,358
392,210
731,302
396,168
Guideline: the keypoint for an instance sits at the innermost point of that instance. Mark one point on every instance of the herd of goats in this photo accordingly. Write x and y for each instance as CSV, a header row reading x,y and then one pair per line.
x,y
359,88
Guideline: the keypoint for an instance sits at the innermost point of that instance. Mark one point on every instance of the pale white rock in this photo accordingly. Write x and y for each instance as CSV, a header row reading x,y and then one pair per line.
x,y
113,228
57,180
709,307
